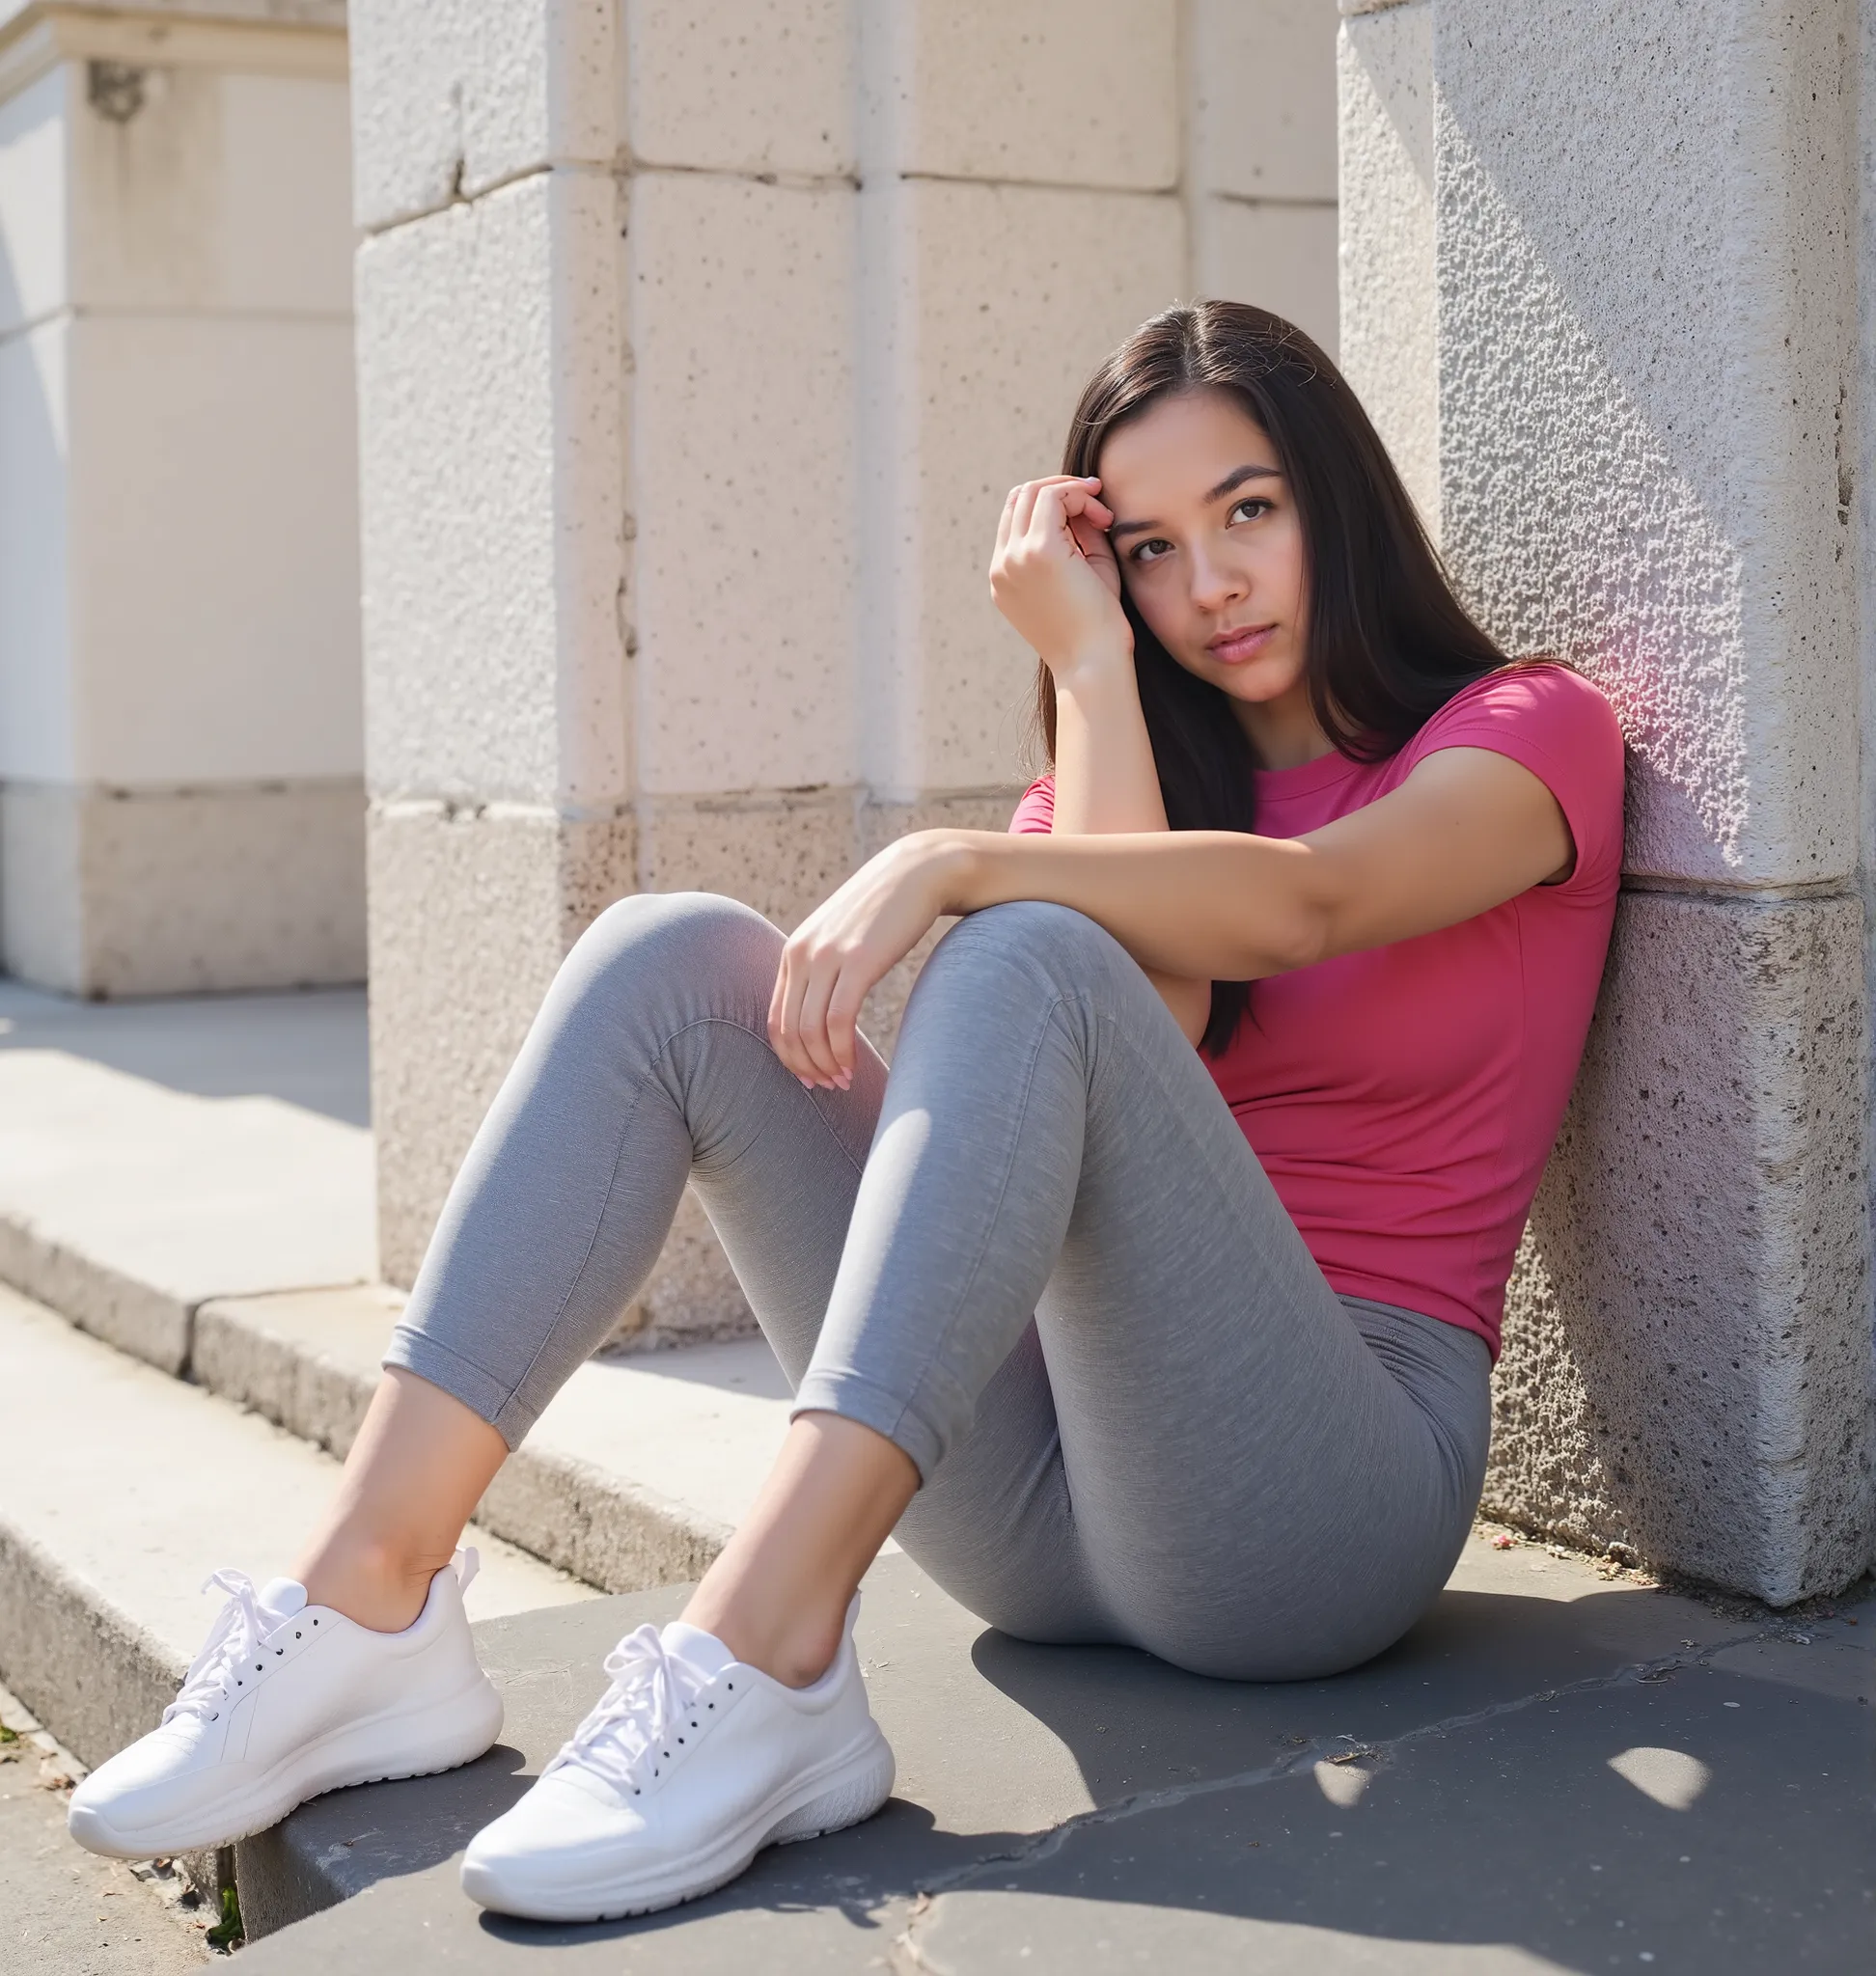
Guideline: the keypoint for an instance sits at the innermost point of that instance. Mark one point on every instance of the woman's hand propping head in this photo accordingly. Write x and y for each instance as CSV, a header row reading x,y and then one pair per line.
x,y
1053,574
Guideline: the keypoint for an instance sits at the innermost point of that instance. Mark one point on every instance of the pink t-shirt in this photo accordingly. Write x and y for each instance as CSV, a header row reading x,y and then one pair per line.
x,y
1403,1099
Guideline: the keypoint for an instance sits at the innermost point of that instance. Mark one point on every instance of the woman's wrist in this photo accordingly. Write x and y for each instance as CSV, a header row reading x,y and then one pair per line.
x,y
957,866
1090,669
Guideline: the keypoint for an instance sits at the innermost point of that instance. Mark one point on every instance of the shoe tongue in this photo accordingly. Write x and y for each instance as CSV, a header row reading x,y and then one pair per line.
x,y
280,1598
701,1652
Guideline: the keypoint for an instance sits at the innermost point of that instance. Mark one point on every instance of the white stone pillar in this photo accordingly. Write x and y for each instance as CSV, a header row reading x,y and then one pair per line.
x,y
698,348
1389,310
180,720
1644,223
1259,175
492,387
1019,214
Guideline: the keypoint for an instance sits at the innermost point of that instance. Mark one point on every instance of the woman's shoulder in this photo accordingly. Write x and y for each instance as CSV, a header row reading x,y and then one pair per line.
x,y
1541,705
1556,724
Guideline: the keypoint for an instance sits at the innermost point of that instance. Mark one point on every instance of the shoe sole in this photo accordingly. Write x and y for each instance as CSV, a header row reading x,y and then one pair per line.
x,y
848,1791
443,1737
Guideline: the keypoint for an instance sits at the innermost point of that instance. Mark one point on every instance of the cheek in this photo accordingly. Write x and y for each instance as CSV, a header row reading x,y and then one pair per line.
x,y
1160,603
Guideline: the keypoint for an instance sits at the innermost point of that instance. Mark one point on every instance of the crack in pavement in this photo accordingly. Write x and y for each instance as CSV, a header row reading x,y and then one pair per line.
x,y
1045,1845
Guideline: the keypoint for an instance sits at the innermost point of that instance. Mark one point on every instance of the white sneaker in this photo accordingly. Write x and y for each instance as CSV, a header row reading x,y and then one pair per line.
x,y
687,1767
284,1701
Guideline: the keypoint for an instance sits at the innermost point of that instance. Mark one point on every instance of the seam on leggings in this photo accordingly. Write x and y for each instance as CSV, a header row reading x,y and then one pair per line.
x,y
630,1112
943,1330
820,1118
1440,1429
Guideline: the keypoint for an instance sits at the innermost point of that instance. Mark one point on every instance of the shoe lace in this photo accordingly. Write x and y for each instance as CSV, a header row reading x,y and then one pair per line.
x,y
235,1635
635,1728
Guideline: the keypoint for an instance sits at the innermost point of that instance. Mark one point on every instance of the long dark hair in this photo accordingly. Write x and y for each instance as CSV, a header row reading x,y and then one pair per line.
x,y
1389,643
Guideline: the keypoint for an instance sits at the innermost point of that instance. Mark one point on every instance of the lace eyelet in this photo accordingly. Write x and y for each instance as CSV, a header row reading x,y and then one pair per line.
x,y
299,1636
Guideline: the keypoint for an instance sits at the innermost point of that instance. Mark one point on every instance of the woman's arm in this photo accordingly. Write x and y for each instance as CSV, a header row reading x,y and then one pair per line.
x,y
1106,781
1465,831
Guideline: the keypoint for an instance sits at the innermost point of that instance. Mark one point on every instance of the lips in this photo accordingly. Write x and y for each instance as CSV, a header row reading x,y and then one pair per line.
x,y
1234,647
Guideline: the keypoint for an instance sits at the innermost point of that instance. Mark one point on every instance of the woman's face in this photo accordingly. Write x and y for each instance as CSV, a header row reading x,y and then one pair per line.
x,y
1209,543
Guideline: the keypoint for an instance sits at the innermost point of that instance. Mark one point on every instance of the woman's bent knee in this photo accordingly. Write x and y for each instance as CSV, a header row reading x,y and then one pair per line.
x,y
672,935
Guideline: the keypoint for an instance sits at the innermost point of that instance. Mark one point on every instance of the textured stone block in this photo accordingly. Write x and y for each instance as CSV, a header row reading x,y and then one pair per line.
x,y
780,852
1687,1366
222,191
1263,101
988,307
35,188
471,911
1390,283
490,381
1280,256
742,482
156,892
1645,298
1055,91
211,522
455,97
742,85
34,553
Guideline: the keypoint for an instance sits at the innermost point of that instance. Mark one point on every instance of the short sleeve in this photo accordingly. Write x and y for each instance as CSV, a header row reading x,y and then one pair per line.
x,y
1554,723
1035,814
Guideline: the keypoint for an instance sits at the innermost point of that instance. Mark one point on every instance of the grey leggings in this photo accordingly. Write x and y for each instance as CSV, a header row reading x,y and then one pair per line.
x,y
1040,1257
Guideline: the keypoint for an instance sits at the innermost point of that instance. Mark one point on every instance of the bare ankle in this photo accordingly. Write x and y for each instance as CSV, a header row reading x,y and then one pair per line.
x,y
796,1651
380,1587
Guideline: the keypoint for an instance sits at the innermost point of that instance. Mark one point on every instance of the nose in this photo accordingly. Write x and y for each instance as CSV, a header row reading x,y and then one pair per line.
x,y
1216,583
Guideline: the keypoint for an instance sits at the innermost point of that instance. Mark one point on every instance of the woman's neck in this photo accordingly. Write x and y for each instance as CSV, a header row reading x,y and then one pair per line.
x,y
1283,732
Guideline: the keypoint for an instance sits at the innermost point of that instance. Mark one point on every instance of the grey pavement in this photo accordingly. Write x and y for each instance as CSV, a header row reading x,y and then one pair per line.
x,y
1554,1771
157,1155
63,1913
303,1046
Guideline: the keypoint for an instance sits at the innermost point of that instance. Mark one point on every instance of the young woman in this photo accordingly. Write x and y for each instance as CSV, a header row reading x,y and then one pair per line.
x,y
1130,1340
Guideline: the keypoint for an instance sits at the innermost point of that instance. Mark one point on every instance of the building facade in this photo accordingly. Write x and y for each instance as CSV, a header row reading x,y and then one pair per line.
x,y
695,350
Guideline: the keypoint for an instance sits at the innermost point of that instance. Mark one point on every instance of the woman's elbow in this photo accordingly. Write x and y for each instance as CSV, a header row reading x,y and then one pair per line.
x,y
1296,939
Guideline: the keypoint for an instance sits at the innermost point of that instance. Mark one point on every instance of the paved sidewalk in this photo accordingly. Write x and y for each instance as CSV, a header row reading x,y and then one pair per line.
x,y
64,1912
1554,1771
155,1155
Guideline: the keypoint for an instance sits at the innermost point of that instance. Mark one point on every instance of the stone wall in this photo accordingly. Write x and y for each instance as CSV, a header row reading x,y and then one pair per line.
x,y
697,348
181,801
1630,370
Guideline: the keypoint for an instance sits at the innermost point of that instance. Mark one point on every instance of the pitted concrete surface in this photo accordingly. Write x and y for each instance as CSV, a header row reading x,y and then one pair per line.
x,y
1551,1772
157,1155
66,1912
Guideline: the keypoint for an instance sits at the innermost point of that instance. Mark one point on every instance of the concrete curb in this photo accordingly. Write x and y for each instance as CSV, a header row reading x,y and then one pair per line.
x,y
148,1322
603,1528
75,1658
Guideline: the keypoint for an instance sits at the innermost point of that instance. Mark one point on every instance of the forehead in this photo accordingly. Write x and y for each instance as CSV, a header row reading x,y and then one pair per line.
x,y
1182,445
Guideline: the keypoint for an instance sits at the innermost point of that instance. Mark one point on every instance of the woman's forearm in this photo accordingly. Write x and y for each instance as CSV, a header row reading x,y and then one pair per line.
x,y
1105,776
1197,906
1106,781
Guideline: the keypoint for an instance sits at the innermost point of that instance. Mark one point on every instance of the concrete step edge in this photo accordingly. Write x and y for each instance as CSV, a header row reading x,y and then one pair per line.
x,y
569,1513
148,1322
605,1529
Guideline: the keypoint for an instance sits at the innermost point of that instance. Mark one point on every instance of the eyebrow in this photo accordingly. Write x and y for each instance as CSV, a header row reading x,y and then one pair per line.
x,y
1228,485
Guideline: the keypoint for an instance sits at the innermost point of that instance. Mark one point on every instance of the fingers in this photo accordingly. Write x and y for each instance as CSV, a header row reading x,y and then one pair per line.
x,y
1071,518
1019,509
806,984
1003,523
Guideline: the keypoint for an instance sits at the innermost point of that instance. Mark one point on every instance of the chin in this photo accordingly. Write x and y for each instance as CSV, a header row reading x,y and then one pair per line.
x,y
1260,679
